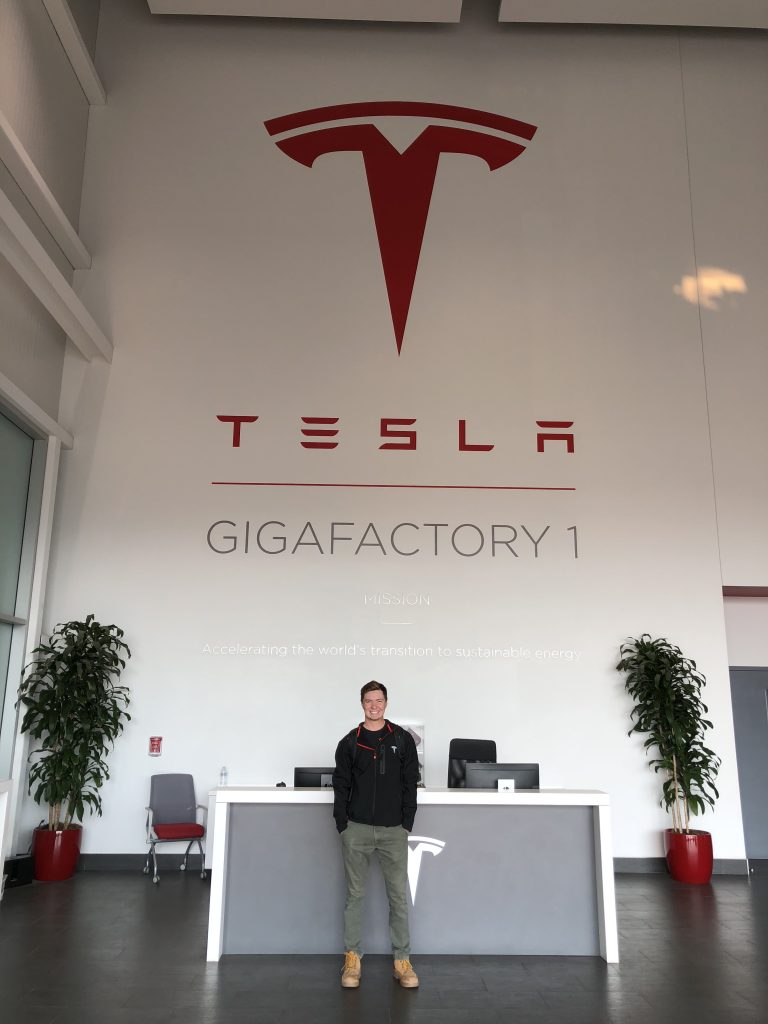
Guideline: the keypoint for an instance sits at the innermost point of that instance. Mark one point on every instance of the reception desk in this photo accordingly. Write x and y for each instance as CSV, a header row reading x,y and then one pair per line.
x,y
489,872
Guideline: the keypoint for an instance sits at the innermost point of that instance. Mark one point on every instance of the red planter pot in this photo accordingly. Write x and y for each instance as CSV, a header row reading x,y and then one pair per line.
x,y
56,853
689,855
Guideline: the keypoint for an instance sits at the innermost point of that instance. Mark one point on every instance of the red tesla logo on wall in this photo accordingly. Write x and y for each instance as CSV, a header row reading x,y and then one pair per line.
x,y
400,184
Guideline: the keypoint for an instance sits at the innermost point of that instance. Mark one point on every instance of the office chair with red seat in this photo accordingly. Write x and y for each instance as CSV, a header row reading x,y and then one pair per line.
x,y
172,818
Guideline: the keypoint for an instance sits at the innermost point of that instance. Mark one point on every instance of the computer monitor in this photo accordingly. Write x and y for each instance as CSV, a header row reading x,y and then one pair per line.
x,y
486,776
457,771
312,778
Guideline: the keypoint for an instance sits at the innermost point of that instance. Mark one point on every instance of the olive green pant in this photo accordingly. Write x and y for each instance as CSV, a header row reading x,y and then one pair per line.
x,y
358,843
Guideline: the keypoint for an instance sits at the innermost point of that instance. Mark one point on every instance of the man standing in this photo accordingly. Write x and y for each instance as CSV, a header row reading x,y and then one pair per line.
x,y
374,806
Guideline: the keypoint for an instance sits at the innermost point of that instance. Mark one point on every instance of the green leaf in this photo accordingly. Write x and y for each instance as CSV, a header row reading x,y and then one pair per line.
x,y
666,689
75,709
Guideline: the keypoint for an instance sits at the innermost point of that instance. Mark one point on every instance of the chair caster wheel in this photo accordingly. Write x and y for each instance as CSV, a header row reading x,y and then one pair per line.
x,y
203,874
182,867
145,870
156,879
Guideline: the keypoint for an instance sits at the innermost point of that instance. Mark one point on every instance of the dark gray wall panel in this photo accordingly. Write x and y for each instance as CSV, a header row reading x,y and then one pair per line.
x,y
749,691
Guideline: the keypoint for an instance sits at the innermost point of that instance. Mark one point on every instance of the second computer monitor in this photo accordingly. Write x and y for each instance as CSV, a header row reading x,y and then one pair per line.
x,y
486,776
312,778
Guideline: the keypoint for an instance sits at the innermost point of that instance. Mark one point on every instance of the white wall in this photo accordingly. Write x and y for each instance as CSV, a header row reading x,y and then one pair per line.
x,y
726,92
45,106
86,15
32,347
234,280
746,626
43,100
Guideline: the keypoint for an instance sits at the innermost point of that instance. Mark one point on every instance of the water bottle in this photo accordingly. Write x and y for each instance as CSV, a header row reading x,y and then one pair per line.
x,y
223,776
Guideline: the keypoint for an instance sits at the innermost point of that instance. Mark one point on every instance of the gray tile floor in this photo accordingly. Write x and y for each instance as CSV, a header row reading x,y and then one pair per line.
x,y
111,948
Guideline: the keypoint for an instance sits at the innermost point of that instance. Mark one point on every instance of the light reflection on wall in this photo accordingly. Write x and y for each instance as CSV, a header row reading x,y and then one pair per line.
x,y
710,285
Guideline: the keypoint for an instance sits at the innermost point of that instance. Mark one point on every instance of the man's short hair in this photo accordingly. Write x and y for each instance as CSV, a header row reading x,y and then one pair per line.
x,y
373,685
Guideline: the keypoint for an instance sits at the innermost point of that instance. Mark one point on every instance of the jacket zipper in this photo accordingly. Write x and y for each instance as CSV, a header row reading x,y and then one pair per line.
x,y
375,773
382,767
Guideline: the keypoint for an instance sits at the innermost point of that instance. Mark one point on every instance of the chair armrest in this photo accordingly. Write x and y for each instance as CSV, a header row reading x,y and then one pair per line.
x,y
204,815
150,819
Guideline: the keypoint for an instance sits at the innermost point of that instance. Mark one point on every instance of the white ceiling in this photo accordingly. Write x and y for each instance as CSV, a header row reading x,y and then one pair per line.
x,y
705,13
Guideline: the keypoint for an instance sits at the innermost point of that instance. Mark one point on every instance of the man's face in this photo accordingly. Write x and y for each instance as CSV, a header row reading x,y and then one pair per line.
x,y
374,705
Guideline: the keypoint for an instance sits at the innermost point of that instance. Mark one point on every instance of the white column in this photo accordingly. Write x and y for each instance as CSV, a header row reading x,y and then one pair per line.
x,y
6,787
218,872
606,887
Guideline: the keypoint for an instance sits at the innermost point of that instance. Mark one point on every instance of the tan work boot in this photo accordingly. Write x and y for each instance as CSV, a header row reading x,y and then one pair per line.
x,y
350,975
405,974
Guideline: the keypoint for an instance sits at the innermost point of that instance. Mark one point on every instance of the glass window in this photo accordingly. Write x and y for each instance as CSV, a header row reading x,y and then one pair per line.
x,y
16,455
15,465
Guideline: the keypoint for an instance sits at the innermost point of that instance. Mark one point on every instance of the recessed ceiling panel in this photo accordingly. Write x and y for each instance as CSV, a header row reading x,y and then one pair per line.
x,y
703,13
341,10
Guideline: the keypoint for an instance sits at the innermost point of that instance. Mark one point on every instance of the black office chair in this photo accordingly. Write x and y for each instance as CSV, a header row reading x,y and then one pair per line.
x,y
460,751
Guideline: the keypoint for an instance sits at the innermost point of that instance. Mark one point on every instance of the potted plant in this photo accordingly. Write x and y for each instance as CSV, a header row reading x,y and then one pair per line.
x,y
666,688
75,709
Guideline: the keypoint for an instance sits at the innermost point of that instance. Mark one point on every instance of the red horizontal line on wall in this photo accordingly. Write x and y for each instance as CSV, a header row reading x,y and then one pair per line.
x,y
745,591
429,487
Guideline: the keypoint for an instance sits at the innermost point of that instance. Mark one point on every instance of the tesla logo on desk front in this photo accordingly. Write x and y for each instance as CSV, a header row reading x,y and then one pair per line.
x,y
400,183
422,845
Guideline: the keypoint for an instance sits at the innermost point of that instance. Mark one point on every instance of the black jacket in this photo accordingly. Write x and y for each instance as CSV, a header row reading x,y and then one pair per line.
x,y
376,786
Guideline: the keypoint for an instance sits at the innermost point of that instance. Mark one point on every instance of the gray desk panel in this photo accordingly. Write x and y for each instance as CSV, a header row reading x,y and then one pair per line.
x,y
508,880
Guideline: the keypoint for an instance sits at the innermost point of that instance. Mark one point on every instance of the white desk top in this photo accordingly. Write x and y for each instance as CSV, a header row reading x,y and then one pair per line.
x,y
461,797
